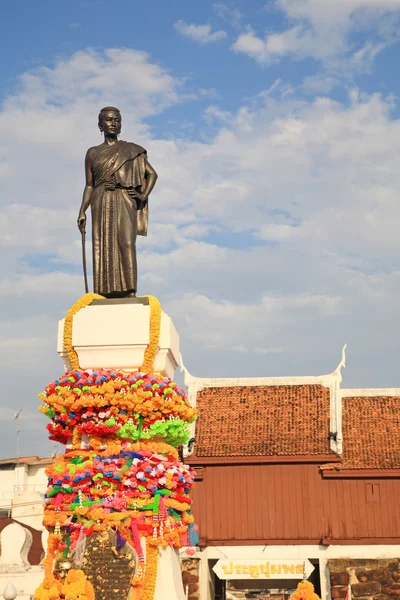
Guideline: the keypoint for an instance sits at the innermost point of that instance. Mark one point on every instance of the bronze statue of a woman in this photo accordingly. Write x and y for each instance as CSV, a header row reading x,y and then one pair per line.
x,y
119,179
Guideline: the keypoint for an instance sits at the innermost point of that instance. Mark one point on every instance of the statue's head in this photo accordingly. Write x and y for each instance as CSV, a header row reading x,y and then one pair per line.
x,y
110,120
62,567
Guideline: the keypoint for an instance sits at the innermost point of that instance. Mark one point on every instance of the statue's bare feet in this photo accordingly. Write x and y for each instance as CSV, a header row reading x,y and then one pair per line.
x,y
131,295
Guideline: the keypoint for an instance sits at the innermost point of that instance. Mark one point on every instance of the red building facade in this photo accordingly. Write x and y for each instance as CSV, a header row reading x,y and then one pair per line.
x,y
295,469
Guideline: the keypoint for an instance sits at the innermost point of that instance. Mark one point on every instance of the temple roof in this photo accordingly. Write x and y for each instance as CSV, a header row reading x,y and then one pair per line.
x,y
296,417
263,421
371,432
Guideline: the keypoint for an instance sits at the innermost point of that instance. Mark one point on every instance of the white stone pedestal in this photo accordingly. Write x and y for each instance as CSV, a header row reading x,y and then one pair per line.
x,y
115,335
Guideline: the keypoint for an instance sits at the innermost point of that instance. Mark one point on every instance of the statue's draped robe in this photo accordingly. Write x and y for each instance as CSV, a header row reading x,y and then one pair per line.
x,y
117,218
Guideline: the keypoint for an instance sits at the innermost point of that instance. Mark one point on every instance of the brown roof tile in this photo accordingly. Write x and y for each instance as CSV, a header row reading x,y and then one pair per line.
x,y
371,433
263,421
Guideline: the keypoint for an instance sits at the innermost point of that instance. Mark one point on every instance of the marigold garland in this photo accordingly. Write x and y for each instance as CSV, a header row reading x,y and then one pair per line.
x,y
77,587
83,302
48,561
155,327
49,589
304,591
149,584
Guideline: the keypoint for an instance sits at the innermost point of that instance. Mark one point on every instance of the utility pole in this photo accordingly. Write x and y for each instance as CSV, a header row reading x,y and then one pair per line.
x,y
17,432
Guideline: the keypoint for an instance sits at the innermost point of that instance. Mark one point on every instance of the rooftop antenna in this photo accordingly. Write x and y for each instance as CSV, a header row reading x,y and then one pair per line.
x,y
17,432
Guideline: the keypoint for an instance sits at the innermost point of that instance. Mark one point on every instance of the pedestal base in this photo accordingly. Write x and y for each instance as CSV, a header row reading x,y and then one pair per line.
x,y
114,334
169,576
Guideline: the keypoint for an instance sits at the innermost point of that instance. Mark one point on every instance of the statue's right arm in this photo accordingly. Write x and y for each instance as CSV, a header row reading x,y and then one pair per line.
x,y
87,192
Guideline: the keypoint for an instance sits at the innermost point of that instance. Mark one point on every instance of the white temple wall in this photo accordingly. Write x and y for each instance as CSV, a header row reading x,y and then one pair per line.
x,y
22,484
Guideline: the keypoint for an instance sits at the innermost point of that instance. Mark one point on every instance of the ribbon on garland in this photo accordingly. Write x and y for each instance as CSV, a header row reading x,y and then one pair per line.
x,y
68,544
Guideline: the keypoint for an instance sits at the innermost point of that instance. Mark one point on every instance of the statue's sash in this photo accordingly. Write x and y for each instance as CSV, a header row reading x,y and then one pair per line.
x,y
110,159
105,171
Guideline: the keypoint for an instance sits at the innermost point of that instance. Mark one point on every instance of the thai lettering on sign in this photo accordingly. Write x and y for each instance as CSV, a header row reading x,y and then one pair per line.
x,y
257,569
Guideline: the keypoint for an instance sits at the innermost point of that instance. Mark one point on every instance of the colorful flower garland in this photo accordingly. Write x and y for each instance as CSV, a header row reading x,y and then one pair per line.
x,y
121,471
142,487
111,404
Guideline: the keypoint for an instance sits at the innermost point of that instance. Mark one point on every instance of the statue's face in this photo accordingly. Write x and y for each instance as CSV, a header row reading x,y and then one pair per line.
x,y
111,123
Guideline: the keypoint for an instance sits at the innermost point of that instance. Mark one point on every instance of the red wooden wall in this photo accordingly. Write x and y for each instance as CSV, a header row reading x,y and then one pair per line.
x,y
293,504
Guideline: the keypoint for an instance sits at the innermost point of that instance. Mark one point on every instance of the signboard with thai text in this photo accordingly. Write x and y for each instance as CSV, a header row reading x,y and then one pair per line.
x,y
263,569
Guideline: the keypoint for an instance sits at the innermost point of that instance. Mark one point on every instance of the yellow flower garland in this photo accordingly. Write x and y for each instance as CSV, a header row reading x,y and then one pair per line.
x,y
49,589
68,347
149,584
76,438
51,548
77,586
155,326
304,591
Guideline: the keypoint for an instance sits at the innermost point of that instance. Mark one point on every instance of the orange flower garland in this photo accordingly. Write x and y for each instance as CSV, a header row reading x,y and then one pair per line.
x,y
77,587
155,327
150,577
68,347
304,591
114,393
49,589
48,561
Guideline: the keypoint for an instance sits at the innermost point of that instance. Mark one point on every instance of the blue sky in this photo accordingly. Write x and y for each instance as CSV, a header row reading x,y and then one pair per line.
x,y
275,131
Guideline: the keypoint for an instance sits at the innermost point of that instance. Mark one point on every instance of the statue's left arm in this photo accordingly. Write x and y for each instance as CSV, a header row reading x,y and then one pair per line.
x,y
150,178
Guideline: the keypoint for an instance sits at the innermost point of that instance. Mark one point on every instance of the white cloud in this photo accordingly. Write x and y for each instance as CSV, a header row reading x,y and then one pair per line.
x,y
292,41
214,113
228,13
271,243
319,84
327,31
202,34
